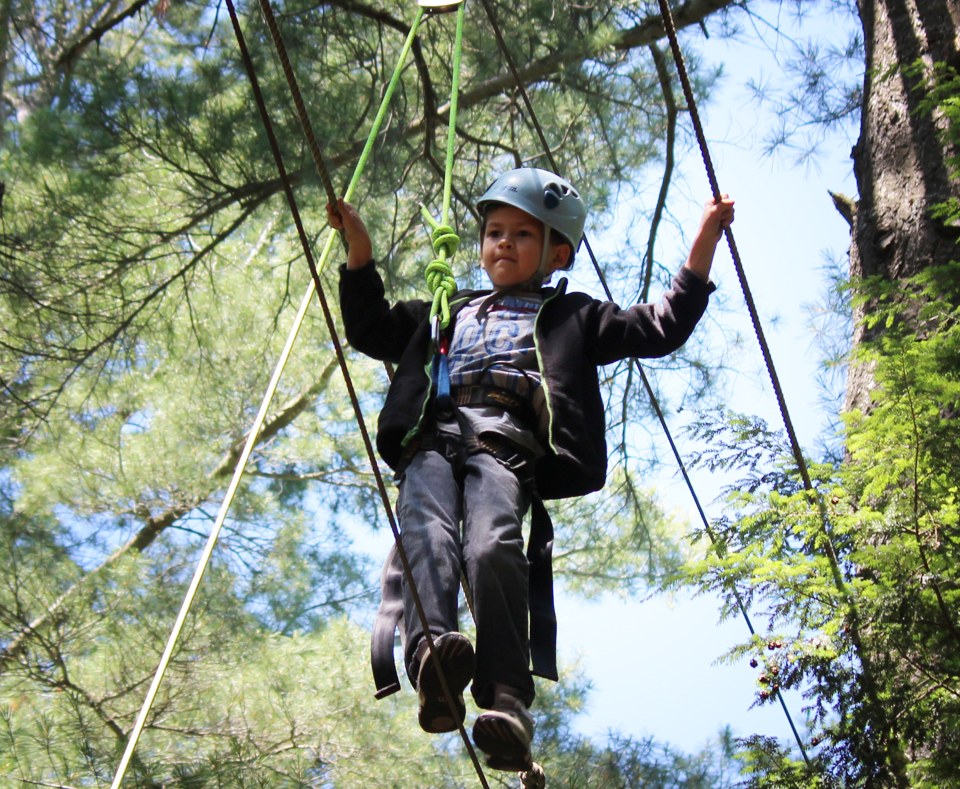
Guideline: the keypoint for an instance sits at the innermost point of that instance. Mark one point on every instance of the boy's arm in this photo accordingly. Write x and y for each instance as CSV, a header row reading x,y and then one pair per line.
x,y
649,331
716,216
654,330
372,326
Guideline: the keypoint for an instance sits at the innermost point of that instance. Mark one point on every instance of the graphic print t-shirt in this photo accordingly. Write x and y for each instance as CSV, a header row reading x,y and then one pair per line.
x,y
496,348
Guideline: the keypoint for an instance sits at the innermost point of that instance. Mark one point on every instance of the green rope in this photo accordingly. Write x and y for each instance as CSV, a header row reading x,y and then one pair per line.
x,y
438,273
452,127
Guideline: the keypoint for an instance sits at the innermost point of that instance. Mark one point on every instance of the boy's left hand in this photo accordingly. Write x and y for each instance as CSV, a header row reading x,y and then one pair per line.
x,y
717,215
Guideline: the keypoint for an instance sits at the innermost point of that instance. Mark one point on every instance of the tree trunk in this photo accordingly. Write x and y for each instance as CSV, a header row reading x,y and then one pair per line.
x,y
5,7
899,160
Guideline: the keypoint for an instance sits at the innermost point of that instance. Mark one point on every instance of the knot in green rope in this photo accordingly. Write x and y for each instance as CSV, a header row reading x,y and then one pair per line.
x,y
441,282
438,273
446,242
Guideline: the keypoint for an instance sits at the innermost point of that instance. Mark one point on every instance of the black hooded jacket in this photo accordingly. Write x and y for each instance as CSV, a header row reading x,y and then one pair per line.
x,y
574,333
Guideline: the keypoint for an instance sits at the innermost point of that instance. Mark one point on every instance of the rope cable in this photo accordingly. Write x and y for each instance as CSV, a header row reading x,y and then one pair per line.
x,y
738,265
643,376
452,125
438,272
315,285
836,573
305,123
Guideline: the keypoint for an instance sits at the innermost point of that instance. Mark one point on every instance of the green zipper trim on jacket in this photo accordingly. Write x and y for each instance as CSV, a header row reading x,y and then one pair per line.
x,y
423,409
543,376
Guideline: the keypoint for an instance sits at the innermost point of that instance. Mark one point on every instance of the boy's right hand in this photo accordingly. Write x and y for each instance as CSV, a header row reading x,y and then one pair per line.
x,y
347,219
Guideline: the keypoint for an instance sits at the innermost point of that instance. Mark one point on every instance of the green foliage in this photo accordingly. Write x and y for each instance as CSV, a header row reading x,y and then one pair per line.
x,y
282,711
880,675
871,636
769,765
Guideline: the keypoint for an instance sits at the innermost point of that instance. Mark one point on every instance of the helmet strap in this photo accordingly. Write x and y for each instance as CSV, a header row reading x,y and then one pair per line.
x,y
542,272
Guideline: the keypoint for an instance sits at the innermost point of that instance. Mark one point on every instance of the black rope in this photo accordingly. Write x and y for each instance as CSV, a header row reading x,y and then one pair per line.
x,y
853,613
745,287
305,123
643,377
354,400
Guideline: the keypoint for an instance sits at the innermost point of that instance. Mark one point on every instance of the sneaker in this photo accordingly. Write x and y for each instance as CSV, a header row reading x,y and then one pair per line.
x,y
456,657
504,734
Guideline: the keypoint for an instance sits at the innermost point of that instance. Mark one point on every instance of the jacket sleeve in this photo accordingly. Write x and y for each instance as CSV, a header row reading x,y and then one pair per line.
x,y
652,330
372,326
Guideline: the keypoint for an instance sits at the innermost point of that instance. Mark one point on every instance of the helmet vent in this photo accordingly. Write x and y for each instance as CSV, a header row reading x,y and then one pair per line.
x,y
552,195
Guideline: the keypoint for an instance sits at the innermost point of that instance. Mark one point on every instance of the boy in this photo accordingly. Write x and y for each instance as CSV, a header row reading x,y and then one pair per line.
x,y
524,422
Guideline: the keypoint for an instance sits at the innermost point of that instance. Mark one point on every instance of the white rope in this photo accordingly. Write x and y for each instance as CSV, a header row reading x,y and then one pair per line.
x,y
218,524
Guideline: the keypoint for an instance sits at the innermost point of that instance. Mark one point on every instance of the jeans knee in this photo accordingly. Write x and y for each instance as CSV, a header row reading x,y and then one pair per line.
x,y
495,553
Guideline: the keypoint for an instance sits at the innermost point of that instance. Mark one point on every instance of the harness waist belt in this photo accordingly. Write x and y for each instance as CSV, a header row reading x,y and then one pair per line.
x,y
504,399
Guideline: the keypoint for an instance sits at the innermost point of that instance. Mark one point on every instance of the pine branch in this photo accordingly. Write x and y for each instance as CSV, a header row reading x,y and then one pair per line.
x,y
96,33
648,32
156,524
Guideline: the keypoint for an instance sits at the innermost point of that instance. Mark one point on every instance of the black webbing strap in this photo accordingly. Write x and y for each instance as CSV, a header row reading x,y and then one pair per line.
x,y
389,618
543,616
504,399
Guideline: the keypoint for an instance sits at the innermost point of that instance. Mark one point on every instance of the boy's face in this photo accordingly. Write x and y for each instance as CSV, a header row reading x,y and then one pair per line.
x,y
512,247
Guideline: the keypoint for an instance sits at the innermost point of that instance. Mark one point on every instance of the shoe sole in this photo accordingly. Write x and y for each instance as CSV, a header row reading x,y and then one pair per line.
x,y
457,659
498,738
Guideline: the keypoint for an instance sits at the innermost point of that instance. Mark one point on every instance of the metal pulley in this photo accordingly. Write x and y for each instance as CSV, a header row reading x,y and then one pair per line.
x,y
440,6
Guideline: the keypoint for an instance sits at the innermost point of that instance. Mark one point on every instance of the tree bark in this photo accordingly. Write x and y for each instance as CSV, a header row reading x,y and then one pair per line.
x,y
899,159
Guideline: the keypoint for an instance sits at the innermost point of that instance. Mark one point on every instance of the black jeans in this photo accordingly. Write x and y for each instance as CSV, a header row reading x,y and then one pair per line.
x,y
489,501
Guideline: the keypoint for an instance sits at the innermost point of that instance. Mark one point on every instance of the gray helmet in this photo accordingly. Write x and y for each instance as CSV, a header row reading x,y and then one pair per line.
x,y
548,197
